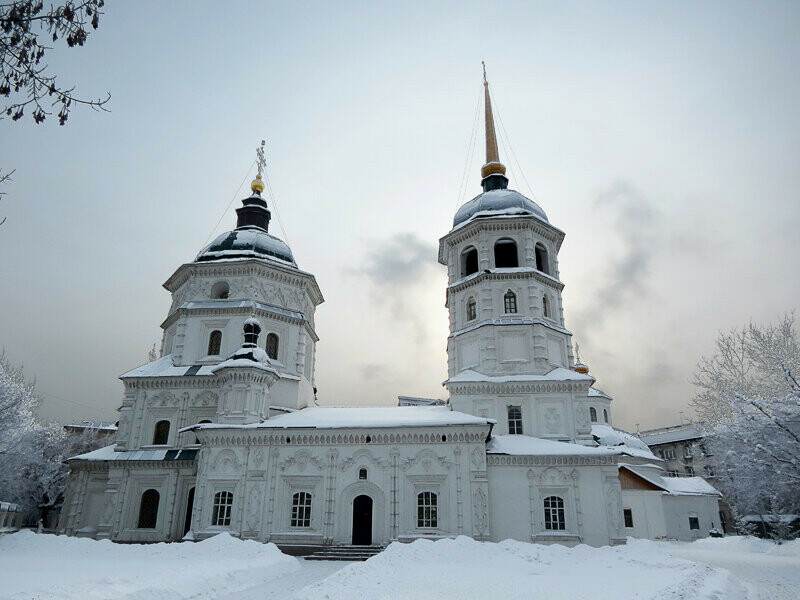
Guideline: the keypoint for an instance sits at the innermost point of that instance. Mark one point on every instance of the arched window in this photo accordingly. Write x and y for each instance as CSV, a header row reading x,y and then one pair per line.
x,y
505,254
148,510
510,302
427,511
605,415
161,433
546,306
542,263
220,290
593,414
301,509
272,346
554,513
362,473
223,503
469,261
472,311
215,343
514,419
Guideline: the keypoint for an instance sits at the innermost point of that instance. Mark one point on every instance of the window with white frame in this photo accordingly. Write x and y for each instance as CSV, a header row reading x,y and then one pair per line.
x,y
472,311
161,433
215,343
427,510
301,510
221,513
627,513
687,451
510,302
669,453
554,513
515,419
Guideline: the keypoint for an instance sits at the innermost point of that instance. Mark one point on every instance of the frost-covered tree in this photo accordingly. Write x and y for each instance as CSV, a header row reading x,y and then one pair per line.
x,y
17,403
749,398
32,455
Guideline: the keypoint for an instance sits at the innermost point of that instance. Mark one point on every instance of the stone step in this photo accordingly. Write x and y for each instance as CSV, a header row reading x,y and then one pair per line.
x,y
349,553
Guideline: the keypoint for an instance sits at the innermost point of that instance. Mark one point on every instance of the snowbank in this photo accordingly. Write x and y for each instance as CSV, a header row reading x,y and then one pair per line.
x,y
49,566
463,568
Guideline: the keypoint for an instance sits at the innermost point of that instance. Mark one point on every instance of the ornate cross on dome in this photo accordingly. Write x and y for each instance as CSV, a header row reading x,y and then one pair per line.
x,y
260,160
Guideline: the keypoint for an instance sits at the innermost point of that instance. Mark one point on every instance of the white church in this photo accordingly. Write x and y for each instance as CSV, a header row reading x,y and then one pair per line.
x,y
223,432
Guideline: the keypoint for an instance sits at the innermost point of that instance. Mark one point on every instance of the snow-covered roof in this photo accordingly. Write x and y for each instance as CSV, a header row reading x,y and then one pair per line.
x,y
349,417
597,393
678,433
629,444
101,425
557,374
416,401
525,445
163,367
675,486
498,202
247,243
109,453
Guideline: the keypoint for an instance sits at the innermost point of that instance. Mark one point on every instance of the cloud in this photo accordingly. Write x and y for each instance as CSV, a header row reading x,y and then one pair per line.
x,y
400,271
401,260
638,226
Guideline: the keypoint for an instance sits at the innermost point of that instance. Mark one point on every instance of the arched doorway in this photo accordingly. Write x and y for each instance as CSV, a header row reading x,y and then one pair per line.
x,y
362,521
187,523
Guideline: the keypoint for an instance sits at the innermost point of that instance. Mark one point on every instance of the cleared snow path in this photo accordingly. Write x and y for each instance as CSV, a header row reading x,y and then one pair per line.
x,y
767,571
287,585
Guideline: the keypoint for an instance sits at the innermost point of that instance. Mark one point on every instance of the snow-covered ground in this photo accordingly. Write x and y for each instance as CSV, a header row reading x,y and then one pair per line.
x,y
45,566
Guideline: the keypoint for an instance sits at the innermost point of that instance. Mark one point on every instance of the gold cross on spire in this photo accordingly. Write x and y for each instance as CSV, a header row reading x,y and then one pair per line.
x,y
262,162
258,185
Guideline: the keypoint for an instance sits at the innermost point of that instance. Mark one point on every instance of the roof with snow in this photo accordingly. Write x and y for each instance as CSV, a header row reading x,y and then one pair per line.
x,y
247,243
163,367
525,445
597,393
627,443
557,374
352,417
667,435
109,453
498,202
675,486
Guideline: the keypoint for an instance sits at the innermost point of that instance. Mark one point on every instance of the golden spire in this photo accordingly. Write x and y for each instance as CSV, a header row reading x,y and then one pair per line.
x,y
493,164
257,186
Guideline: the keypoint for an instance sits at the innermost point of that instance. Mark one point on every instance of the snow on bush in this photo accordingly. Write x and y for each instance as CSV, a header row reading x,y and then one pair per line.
x,y
49,566
463,568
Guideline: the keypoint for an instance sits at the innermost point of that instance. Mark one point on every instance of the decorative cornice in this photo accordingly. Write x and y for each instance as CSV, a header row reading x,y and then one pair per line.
x,y
506,321
502,275
219,436
242,310
247,267
505,460
517,387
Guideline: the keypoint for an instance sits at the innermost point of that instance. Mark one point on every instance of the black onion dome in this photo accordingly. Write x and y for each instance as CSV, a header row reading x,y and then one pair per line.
x,y
247,243
497,202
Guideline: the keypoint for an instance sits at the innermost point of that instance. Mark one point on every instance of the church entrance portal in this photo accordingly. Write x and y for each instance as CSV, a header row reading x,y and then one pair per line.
x,y
362,521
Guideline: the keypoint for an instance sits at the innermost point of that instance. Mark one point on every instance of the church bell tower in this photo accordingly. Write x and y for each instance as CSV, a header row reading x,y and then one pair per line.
x,y
509,354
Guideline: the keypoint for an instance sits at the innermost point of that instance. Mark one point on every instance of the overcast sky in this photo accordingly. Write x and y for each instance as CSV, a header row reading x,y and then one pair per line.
x,y
663,138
